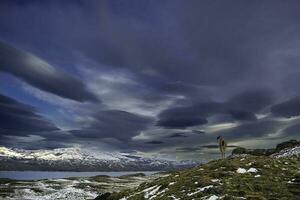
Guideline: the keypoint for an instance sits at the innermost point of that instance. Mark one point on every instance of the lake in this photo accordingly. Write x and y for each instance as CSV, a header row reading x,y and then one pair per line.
x,y
37,175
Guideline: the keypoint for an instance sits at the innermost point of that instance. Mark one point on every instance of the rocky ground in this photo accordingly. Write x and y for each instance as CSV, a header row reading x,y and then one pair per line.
x,y
241,176
69,189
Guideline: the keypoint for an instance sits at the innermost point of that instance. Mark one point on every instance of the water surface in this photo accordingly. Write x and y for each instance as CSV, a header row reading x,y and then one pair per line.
x,y
36,175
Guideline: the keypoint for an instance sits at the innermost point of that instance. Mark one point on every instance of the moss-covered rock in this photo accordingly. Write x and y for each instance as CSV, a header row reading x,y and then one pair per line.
x,y
239,150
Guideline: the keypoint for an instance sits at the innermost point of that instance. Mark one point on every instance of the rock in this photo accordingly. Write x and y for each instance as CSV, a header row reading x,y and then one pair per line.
x,y
287,144
239,150
103,196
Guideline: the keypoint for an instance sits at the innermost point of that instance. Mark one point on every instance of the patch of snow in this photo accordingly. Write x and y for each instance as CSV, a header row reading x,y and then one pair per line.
x,y
150,188
163,191
213,197
256,176
252,170
150,192
215,180
172,183
200,190
241,170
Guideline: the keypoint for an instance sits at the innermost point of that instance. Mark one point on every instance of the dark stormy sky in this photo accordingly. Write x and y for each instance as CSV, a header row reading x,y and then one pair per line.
x,y
157,78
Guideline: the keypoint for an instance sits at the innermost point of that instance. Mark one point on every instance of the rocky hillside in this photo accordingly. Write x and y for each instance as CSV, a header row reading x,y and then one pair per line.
x,y
267,152
238,177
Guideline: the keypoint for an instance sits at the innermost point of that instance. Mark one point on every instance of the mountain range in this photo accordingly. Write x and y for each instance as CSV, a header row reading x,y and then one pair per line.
x,y
76,159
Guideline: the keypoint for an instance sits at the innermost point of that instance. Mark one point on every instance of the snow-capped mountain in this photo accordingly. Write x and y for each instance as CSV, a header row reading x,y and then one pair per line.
x,y
76,159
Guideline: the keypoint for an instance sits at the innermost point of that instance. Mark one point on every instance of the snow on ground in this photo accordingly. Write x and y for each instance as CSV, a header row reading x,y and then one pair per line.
x,y
252,170
71,189
69,193
45,191
200,190
172,183
213,197
243,170
288,152
150,192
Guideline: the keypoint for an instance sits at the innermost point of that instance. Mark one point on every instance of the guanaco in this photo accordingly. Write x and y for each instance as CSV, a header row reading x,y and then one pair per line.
x,y
222,146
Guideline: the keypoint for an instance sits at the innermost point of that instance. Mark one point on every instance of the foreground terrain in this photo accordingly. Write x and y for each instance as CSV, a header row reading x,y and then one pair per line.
x,y
248,174
69,188
239,177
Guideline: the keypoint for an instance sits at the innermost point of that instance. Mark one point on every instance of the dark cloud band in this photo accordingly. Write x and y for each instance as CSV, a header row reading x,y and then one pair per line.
x,y
42,75
20,119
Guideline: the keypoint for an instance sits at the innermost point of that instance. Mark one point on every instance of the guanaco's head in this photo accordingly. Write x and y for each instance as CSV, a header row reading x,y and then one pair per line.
x,y
219,137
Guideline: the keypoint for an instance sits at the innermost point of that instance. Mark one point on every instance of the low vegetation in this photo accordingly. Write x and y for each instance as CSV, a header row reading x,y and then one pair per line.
x,y
238,177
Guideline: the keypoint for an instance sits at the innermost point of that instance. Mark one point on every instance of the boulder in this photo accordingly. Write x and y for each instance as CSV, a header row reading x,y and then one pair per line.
x,y
104,196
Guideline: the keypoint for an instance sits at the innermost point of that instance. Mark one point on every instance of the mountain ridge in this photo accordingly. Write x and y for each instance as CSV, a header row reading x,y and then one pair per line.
x,y
76,159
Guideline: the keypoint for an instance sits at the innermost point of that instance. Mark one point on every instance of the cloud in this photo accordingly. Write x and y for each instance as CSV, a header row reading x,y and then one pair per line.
x,y
288,108
239,107
116,124
188,149
292,131
186,116
250,130
242,115
214,146
20,119
177,135
154,142
200,132
181,122
191,65
42,75
252,100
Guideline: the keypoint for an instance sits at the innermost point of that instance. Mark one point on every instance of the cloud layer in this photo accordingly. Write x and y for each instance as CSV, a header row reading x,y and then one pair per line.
x,y
42,75
159,78
20,119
